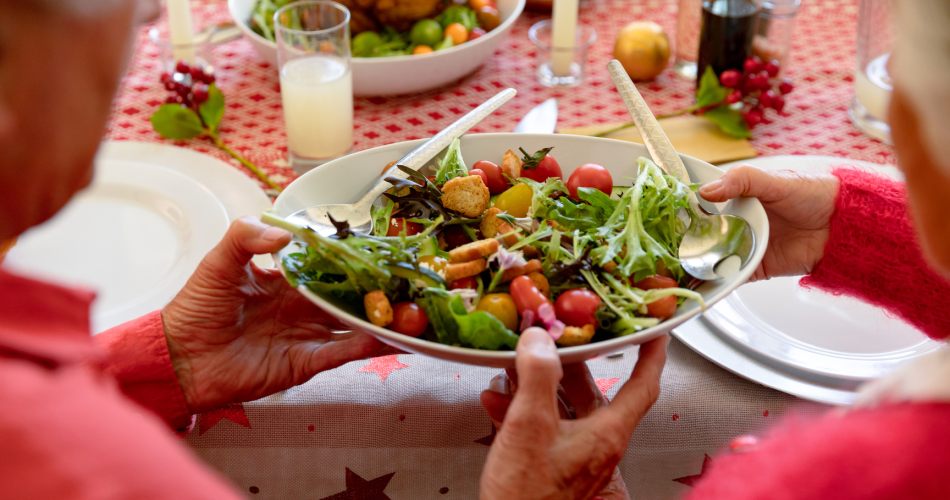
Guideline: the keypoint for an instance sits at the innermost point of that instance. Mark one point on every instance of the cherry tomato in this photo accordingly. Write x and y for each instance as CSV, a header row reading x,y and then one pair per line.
x,y
476,33
478,4
577,307
455,237
421,49
408,319
481,174
470,282
434,262
431,179
457,32
516,201
501,306
496,179
665,307
396,225
547,167
526,295
488,17
590,175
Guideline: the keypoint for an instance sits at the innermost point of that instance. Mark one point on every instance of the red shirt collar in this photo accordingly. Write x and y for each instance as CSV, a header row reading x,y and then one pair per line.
x,y
44,321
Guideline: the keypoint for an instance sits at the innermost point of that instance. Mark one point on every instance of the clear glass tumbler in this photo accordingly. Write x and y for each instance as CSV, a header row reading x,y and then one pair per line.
x,y
872,82
688,22
316,83
774,28
540,35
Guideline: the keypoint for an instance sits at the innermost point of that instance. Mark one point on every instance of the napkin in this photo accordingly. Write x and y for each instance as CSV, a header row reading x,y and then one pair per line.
x,y
691,135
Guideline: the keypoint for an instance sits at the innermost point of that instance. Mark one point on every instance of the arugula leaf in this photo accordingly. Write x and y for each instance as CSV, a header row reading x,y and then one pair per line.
x,y
531,161
436,306
174,121
710,92
381,218
212,110
452,165
729,121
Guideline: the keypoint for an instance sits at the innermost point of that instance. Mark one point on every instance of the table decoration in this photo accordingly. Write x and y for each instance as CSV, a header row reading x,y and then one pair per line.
x,y
643,49
179,27
563,36
541,35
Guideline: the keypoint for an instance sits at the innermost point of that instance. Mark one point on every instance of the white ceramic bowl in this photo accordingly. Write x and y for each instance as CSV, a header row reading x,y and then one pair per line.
x,y
346,179
403,74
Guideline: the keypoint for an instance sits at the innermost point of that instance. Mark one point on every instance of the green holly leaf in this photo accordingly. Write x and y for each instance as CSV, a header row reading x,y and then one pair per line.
x,y
174,121
212,110
710,92
729,121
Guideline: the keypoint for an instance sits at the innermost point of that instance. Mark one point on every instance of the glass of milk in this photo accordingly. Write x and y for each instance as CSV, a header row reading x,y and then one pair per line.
x,y
872,82
316,84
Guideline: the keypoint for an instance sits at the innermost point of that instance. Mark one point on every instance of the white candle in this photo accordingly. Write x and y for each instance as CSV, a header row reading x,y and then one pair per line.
x,y
564,27
179,28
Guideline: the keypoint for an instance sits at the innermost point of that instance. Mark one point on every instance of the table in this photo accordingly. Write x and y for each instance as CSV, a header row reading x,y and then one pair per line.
x,y
411,426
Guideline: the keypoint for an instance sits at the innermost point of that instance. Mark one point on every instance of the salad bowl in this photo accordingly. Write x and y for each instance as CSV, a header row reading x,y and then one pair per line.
x,y
401,74
345,180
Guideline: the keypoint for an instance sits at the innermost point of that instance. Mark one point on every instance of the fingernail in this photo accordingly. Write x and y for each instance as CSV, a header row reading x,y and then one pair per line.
x,y
711,187
536,339
274,234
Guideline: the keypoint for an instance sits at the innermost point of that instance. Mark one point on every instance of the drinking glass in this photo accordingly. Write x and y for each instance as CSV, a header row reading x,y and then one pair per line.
x,y
316,83
541,36
688,21
872,82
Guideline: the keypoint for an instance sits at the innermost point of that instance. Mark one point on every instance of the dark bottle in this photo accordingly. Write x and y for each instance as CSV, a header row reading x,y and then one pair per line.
x,y
725,39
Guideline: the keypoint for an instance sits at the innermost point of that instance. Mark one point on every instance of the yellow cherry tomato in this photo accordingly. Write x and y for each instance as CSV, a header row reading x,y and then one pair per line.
x,y
516,201
476,5
501,306
458,33
434,262
421,49
488,17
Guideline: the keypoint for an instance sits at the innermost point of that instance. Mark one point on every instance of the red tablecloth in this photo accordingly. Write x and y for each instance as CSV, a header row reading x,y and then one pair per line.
x,y
815,119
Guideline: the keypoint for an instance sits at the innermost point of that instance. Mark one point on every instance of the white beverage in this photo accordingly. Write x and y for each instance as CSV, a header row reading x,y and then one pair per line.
x,y
873,87
317,94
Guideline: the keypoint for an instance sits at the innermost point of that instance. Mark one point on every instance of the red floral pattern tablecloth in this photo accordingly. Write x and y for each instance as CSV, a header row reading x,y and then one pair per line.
x,y
411,427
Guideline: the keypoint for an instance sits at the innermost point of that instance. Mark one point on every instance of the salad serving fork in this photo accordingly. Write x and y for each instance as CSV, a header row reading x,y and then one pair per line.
x,y
359,214
710,238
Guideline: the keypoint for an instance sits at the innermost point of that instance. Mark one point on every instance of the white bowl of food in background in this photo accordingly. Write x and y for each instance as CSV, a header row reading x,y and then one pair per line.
x,y
345,180
401,74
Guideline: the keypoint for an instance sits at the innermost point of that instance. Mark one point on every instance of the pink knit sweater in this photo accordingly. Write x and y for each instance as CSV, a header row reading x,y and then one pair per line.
x,y
897,451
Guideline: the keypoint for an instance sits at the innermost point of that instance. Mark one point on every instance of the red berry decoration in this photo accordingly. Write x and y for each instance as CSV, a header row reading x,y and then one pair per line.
x,y
762,81
786,86
170,85
753,117
201,94
197,74
772,68
734,96
730,78
173,99
752,65
778,104
182,89
767,99
166,77
182,67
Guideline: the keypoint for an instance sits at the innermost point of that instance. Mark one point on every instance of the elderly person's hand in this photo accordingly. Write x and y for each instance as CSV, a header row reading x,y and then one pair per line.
x,y
799,206
237,332
539,455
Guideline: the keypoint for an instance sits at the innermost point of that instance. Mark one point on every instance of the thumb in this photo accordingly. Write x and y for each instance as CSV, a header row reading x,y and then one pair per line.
x,y
539,370
246,237
745,180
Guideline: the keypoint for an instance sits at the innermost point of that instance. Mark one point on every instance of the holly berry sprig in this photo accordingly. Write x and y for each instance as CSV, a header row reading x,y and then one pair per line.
x,y
195,109
736,102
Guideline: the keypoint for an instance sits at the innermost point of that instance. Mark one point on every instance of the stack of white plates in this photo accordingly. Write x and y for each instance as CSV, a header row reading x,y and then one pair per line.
x,y
806,343
140,229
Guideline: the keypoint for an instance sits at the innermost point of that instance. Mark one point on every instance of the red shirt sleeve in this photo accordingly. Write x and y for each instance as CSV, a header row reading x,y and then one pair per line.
x,y
873,254
136,354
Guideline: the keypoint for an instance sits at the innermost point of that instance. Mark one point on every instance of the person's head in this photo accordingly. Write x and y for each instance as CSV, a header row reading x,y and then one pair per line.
x,y
920,119
60,65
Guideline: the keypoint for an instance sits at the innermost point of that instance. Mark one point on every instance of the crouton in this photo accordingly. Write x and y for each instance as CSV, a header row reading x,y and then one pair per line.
x,y
473,250
576,336
609,267
511,165
378,310
492,226
532,266
541,282
466,195
464,269
529,251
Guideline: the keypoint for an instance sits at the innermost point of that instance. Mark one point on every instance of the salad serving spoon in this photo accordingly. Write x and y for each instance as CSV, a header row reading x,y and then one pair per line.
x,y
710,238
359,215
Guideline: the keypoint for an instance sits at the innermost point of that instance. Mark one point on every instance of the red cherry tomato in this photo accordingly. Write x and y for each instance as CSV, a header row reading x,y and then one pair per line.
x,y
408,319
431,179
526,295
590,175
577,307
665,307
546,168
455,237
496,179
397,223
462,283
481,174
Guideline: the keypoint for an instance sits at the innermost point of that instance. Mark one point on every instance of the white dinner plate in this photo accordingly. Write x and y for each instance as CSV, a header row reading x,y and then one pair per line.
x,y
239,194
134,236
804,335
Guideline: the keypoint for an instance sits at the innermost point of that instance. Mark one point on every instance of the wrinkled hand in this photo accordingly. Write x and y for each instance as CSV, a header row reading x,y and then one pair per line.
x,y
799,206
538,454
238,333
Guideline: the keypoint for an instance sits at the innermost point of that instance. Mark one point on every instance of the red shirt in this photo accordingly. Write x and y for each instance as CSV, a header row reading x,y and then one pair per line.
x,y
86,417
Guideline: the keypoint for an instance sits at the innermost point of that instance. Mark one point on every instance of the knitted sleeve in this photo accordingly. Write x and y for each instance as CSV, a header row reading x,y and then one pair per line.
x,y
873,254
